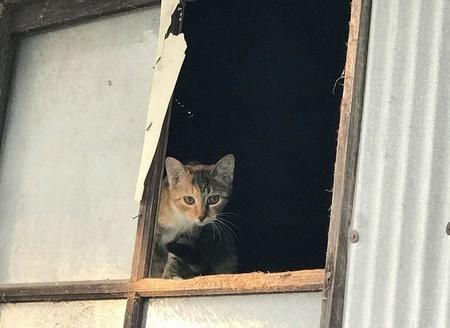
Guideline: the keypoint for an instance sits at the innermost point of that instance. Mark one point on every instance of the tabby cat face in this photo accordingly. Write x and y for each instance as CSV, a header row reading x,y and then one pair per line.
x,y
200,191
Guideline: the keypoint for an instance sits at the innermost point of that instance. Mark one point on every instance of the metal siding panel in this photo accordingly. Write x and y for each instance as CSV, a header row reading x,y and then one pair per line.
x,y
398,272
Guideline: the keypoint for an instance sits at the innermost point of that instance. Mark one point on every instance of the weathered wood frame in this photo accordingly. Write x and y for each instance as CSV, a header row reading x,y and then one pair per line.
x,y
23,16
244,283
346,164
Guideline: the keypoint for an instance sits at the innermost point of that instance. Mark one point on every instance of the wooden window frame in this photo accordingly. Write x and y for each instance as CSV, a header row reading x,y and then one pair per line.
x,y
346,164
18,17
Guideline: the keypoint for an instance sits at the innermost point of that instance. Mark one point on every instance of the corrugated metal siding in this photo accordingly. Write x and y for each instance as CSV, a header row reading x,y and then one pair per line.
x,y
399,271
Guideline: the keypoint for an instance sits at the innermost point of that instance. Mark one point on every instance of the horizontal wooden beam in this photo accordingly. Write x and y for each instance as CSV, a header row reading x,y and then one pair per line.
x,y
244,283
17,2
64,291
35,15
227,284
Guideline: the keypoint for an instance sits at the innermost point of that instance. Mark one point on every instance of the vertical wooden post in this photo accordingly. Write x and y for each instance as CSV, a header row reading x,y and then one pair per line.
x,y
148,213
7,51
149,205
345,167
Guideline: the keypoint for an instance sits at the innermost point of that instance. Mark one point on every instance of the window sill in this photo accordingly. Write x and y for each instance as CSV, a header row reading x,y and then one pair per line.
x,y
227,284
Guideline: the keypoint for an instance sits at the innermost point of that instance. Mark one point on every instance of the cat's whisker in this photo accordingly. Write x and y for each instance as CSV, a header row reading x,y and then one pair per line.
x,y
215,233
190,230
234,229
226,226
230,214
221,228
233,234
225,229
211,221
225,217
228,223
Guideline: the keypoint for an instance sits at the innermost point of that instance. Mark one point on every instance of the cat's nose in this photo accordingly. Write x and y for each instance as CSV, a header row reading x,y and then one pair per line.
x,y
202,217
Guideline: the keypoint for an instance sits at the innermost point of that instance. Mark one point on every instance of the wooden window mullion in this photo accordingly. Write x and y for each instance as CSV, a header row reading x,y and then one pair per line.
x,y
149,206
346,164
7,51
145,228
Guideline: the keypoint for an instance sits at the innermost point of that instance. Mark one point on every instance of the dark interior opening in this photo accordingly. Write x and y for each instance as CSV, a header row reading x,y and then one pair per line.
x,y
258,82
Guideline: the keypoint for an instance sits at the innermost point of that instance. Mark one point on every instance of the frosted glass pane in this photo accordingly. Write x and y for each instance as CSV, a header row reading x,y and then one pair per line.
x,y
87,314
72,148
299,310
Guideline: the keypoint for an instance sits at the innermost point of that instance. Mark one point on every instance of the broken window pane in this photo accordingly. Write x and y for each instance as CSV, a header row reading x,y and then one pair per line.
x,y
266,89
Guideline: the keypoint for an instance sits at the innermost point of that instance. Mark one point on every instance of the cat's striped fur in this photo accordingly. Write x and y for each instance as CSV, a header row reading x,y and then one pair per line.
x,y
190,224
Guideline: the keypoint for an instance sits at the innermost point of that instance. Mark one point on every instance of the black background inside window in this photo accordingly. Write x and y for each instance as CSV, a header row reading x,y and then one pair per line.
x,y
258,82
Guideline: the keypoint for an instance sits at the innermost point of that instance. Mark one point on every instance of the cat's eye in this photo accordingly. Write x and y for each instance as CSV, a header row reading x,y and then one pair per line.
x,y
189,200
214,199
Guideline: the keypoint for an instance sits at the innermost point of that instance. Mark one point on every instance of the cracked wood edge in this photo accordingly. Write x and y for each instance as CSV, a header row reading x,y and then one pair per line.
x,y
226,284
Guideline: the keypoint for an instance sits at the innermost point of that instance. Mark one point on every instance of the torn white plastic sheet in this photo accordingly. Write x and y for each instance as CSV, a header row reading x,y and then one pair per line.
x,y
170,55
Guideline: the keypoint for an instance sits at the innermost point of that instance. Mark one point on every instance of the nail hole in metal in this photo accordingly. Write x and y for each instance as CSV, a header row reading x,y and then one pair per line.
x,y
353,236
448,228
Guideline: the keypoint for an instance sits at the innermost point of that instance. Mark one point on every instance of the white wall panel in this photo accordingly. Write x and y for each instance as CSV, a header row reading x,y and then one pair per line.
x,y
299,310
71,150
87,314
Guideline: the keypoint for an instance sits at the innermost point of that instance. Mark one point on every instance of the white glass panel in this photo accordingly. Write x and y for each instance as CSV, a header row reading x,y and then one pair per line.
x,y
299,310
71,150
86,314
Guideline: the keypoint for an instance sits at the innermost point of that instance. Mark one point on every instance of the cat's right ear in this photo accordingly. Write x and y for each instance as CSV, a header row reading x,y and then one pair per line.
x,y
175,170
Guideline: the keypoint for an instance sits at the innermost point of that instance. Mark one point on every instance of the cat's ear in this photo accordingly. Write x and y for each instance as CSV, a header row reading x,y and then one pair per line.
x,y
224,169
175,171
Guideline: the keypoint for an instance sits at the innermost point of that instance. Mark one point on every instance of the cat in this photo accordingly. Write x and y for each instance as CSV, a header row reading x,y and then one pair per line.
x,y
192,236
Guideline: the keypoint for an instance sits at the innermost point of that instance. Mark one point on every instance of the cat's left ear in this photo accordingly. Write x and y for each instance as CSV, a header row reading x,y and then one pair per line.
x,y
224,169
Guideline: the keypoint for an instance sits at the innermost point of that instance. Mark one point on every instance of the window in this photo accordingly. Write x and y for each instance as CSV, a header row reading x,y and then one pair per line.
x,y
263,91
71,150
125,277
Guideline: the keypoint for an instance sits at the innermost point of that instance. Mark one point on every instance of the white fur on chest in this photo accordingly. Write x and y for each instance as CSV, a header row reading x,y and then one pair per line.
x,y
172,223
